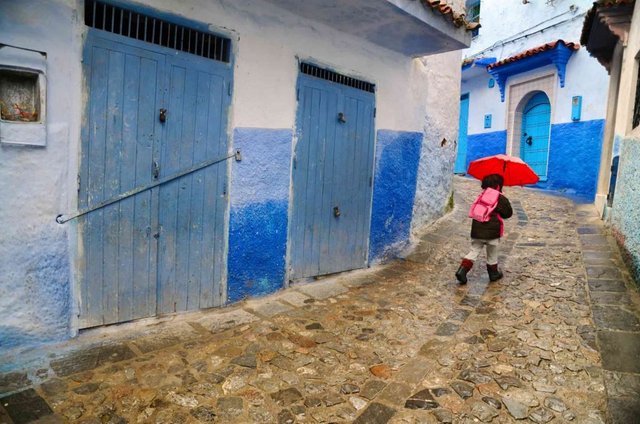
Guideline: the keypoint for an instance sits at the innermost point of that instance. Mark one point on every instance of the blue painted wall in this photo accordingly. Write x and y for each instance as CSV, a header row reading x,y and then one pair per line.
x,y
625,215
574,156
485,144
574,159
396,170
259,212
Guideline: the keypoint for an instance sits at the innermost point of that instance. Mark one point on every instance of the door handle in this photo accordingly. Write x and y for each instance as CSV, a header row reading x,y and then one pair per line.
x,y
342,118
529,140
336,211
163,115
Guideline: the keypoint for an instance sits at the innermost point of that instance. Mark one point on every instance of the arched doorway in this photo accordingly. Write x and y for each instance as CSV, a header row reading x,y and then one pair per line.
x,y
534,140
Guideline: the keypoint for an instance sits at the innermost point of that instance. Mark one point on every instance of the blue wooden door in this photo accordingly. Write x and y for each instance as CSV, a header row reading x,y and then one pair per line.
x,y
332,178
534,142
128,264
193,207
460,166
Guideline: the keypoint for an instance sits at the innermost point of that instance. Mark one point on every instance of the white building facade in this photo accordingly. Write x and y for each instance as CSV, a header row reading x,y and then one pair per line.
x,y
161,156
529,90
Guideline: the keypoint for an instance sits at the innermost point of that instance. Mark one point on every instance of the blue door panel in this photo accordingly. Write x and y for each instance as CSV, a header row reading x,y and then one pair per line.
x,y
190,258
460,166
534,143
332,169
118,272
161,250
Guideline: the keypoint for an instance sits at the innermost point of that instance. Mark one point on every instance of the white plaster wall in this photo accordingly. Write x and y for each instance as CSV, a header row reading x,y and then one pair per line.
x,y
505,20
441,83
584,77
266,67
628,79
35,181
484,100
36,279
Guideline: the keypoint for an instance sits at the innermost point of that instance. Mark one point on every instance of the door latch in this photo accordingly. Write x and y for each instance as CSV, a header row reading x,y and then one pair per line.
x,y
163,115
341,118
336,211
156,170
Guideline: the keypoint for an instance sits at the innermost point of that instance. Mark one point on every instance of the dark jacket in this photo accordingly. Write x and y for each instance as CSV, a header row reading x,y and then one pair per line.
x,y
491,229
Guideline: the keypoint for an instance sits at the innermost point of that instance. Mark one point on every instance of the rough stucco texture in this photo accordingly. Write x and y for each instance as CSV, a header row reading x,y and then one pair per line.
x,y
34,290
626,212
574,159
259,206
397,157
441,82
485,144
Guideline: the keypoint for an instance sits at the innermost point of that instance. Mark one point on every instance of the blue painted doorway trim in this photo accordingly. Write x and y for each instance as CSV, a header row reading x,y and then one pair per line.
x,y
460,166
534,140
332,177
161,250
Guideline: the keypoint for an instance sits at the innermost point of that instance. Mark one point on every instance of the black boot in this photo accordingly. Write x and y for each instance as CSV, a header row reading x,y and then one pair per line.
x,y
494,273
461,273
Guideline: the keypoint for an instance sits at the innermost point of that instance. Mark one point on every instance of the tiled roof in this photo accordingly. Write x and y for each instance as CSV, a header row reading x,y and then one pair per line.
x,y
534,51
458,18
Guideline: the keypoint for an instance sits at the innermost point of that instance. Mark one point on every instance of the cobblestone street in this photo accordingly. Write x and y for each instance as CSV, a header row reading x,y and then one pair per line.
x,y
556,340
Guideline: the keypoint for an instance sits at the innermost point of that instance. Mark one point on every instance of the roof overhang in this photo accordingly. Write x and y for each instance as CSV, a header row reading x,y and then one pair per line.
x,y
411,27
472,68
606,23
556,53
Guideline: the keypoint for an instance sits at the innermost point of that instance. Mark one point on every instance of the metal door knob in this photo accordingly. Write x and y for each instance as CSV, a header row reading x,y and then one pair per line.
x,y
336,211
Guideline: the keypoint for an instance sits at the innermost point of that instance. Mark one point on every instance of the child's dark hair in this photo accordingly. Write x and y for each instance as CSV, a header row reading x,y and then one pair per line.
x,y
493,181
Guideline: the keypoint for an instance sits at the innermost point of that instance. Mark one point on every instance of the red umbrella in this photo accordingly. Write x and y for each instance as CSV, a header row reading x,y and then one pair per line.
x,y
514,170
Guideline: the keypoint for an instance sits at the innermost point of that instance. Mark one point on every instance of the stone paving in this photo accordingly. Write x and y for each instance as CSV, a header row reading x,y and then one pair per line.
x,y
556,340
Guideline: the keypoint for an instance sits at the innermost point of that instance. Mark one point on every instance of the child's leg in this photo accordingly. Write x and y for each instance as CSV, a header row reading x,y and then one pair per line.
x,y
476,249
492,251
492,260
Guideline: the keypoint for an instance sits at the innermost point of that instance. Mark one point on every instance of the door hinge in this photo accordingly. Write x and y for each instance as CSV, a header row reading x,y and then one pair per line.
x,y
370,181
375,112
297,94
78,180
229,88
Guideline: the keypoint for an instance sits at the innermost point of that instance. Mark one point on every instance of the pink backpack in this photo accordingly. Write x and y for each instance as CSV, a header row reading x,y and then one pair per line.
x,y
485,204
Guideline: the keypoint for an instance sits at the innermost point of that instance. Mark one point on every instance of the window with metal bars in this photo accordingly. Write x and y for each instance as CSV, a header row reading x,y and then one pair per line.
x,y
121,21
636,105
329,75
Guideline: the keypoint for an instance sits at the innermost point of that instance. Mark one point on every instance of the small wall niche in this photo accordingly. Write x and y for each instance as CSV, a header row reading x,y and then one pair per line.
x,y
19,96
22,97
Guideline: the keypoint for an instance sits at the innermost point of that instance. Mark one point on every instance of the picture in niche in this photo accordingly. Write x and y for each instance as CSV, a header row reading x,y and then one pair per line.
x,y
19,96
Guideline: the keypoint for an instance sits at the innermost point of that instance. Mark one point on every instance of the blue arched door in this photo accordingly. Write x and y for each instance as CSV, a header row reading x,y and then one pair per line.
x,y
534,141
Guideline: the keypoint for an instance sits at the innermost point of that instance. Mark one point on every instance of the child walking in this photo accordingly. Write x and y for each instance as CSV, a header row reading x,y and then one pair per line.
x,y
487,234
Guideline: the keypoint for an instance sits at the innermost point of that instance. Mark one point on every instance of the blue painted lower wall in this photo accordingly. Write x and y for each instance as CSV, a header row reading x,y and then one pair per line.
x,y
625,216
396,170
259,212
485,144
574,156
574,159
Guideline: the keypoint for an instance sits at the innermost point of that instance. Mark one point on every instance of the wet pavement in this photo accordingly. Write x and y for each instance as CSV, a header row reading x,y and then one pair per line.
x,y
556,340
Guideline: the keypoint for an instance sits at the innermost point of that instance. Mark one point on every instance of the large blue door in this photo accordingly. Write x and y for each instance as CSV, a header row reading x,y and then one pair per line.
x,y
534,142
162,249
461,159
332,178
